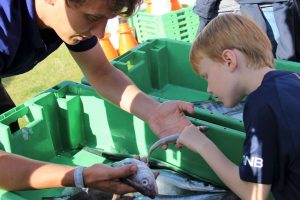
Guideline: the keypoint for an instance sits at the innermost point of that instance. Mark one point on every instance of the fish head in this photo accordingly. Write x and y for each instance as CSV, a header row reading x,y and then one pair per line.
x,y
146,185
143,180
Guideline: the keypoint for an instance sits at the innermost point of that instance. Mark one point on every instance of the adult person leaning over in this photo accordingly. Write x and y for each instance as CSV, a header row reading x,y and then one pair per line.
x,y
33,29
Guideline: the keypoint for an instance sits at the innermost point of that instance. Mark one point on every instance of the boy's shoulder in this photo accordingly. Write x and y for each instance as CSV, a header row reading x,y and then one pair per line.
x,y
277,89
276,83
275,75
283,81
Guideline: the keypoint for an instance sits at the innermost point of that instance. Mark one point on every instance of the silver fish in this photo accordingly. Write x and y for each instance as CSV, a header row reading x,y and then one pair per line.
x,y
143,180
166,140
218,107
218,196
172,183
171,139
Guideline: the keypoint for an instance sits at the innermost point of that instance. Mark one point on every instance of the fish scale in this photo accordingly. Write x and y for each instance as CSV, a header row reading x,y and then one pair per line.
x,y
169,179
143,180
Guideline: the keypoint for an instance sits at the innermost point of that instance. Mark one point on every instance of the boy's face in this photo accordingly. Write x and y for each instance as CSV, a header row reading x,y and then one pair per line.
x,y
74,24
221,80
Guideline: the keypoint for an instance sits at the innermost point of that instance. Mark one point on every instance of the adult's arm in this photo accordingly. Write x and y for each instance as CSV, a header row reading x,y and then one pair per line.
x,y
164,118
19,173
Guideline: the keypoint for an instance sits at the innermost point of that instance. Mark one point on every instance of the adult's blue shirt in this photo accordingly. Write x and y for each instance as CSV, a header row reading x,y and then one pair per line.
x,y
271,152
22,43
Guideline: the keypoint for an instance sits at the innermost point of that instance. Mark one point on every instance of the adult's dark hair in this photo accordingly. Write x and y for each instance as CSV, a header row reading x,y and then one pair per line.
x,y
118,7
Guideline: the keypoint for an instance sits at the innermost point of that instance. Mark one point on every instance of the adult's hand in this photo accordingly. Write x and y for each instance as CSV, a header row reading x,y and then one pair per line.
x,y
107,178
168,117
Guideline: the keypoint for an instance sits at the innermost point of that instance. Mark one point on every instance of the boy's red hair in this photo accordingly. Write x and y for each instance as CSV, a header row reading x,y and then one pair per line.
x,y
233,31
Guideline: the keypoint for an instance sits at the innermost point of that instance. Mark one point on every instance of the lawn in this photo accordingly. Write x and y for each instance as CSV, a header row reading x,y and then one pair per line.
x,y
58,67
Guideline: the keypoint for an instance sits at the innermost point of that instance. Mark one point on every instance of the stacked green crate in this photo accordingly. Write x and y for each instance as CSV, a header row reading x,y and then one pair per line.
x,y
179,25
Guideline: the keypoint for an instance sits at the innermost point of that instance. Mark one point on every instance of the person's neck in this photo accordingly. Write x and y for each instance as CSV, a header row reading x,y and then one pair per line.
x,y
255,77
41,13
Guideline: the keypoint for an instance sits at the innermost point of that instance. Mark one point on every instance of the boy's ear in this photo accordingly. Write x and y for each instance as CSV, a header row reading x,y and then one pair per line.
x,y
230,59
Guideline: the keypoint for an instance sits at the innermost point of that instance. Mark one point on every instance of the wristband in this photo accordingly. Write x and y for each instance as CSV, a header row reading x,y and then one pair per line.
x,y
78,177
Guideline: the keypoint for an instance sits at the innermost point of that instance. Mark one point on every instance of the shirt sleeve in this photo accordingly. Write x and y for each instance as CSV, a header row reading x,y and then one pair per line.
x,y
2,63
260,146
83,45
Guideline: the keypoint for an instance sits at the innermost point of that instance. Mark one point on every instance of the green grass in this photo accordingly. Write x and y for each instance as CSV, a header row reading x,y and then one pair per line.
x,y
57,67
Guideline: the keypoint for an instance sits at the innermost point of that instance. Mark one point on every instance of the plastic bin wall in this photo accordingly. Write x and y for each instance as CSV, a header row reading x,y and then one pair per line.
x,y
161,68
64,120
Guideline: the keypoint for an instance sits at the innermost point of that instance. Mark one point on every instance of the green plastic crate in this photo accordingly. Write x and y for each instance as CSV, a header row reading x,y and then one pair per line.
x,y
161,68
70,116
287,65
179,25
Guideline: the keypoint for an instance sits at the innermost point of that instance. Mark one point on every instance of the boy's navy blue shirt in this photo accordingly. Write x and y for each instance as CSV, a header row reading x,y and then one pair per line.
x,y
22,43
271,153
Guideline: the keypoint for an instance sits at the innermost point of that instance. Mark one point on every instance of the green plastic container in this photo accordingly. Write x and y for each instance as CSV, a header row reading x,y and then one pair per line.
x,y
161,68
287,65
64,119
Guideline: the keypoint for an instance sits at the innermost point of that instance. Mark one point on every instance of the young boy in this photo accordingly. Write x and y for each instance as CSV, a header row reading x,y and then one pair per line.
x,y
235,57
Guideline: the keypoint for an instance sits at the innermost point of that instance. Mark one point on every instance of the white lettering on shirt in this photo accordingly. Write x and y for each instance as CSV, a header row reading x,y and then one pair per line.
x,y
253,161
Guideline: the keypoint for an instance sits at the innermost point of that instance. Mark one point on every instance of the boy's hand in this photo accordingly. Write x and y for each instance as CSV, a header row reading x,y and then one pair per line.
x,y
191,137
168,117
202,129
